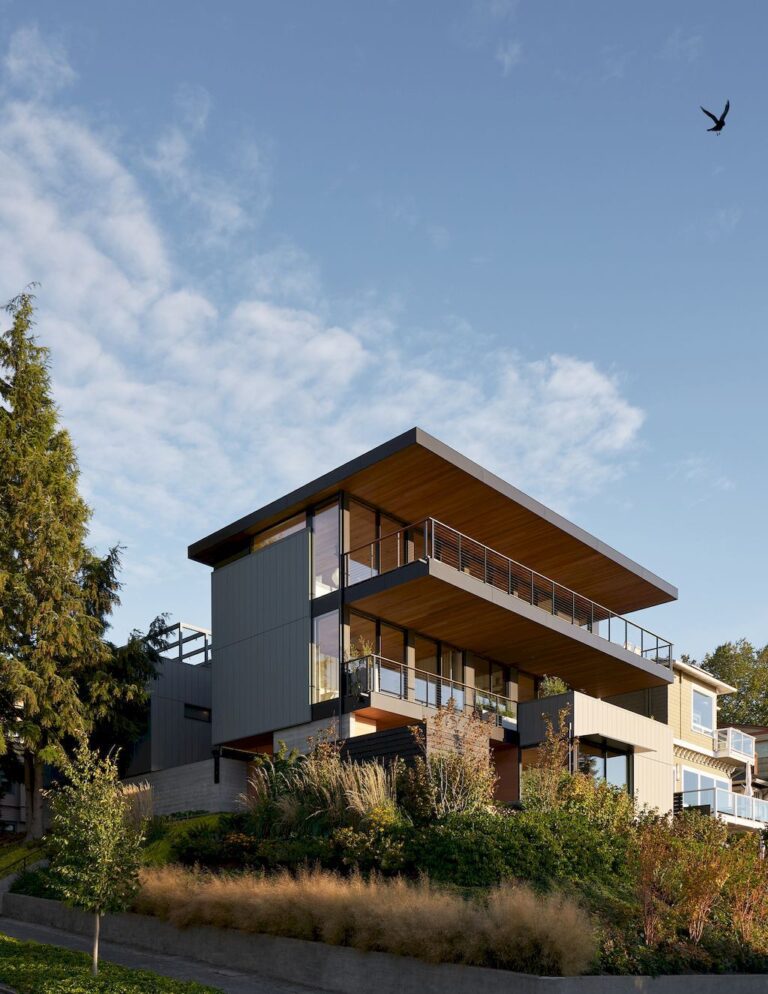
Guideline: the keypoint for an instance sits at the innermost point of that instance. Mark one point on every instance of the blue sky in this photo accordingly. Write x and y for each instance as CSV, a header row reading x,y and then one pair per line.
x,y
271,235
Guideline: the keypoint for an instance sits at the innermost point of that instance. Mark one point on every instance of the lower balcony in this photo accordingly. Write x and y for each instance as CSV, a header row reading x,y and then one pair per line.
x,y
384,684
739,810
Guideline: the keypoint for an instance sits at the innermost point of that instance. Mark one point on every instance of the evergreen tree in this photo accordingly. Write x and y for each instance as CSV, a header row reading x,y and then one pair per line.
x,y
58,673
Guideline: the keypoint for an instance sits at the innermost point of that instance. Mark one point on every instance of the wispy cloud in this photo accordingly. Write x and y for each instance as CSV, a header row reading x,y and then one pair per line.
x,y
37,66
226,205
681,46
702,477
188,408
509,54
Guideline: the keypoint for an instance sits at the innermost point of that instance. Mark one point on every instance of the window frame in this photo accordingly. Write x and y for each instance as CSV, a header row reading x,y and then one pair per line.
x,y
713,700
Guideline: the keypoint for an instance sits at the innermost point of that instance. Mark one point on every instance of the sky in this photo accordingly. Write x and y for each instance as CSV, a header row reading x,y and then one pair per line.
x,y
271,235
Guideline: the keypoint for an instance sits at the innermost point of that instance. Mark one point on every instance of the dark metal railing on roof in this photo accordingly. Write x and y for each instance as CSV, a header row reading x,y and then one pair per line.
x,y
431,539
187,643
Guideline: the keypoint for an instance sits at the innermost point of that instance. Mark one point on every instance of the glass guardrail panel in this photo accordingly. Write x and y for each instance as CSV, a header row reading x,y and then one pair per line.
x,y
726,802
742,805
391,678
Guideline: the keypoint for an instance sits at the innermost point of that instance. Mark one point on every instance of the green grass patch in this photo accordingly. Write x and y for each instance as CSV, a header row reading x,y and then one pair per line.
x,y
12,854
158,851
32,968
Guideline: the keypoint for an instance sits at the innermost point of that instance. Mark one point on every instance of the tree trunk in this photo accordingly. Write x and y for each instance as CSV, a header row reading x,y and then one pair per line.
x,y
95,959
33,799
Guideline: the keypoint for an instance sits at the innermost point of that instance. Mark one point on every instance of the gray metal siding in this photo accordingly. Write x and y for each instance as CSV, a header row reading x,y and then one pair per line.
x,y
262,633
176,740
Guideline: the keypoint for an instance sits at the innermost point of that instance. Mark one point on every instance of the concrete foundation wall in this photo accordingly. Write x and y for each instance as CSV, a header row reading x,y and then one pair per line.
x,y
192,787
321,967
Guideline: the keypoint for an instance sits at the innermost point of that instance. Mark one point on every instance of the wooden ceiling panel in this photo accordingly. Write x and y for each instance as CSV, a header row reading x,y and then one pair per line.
x,y
448,612
416,476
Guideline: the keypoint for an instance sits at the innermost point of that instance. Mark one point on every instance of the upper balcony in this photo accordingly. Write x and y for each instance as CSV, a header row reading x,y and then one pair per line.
x,y
431,577
733,744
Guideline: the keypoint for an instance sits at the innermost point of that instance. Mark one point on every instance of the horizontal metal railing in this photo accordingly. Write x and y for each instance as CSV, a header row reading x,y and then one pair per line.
x,y
431,539
730,741
726,803
377,674
187,643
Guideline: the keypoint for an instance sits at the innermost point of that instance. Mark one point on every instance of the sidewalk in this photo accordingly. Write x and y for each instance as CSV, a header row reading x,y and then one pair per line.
x,y
229,981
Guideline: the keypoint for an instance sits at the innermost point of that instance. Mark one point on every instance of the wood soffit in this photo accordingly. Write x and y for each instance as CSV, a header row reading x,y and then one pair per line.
x,y
416,476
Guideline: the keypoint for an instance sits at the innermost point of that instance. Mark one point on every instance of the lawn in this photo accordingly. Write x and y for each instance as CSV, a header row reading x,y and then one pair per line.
x,y
32,968
12,852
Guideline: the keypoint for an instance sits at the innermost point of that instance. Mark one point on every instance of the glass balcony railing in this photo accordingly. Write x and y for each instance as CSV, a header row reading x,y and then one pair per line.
x,y
727,803
376,674
734,742
430,539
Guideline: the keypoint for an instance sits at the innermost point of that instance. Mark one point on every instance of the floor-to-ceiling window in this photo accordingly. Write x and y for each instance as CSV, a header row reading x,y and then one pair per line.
x,y
325,549
426,655
325,657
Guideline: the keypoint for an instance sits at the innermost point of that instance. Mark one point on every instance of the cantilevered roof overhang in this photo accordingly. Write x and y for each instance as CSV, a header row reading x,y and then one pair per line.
x,y
414,476
431,597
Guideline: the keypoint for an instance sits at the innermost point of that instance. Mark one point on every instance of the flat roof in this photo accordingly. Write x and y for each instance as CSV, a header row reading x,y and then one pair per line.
x,y
415,475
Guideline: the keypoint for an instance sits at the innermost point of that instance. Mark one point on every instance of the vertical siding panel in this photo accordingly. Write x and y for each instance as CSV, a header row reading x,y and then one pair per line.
x,y
262,631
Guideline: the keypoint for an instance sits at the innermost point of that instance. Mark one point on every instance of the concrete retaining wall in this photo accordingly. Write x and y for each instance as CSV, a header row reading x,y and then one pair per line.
x,y
348,971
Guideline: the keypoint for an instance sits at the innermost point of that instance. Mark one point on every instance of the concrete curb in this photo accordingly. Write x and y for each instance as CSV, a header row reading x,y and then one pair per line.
x,y
348,971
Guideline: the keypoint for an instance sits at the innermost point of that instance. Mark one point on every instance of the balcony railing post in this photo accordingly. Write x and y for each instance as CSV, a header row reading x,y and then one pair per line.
x,y
573,611
485,564
553,597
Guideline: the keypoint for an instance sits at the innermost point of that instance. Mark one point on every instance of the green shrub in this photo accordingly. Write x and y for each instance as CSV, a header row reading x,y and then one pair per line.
x,y
544,849
31,968
37,883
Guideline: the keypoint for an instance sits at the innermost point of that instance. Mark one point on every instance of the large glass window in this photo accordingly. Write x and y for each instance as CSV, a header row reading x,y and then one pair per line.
x,y
362,636
704,789
295,524
325,549
426,675
325,657
362,561
703,714
392,674
604,763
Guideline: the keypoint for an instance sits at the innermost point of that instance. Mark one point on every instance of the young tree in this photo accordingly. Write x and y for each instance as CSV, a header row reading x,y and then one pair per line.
x,y
745,667
95,845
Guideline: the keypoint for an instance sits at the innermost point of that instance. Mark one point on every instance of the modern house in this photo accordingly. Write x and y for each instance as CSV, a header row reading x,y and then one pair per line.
x,y
411,576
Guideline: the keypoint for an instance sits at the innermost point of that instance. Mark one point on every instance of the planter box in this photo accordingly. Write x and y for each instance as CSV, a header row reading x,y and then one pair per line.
x,y
348,971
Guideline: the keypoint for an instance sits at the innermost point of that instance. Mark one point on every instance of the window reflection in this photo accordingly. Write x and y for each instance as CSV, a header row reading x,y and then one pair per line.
x,y
325,549
325,657
295,524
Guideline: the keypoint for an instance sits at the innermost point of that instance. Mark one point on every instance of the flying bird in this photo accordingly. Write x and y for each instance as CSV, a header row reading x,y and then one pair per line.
x,y
719,121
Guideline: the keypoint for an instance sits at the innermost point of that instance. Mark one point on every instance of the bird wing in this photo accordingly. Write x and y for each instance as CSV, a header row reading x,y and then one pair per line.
x,y
726,109
710,114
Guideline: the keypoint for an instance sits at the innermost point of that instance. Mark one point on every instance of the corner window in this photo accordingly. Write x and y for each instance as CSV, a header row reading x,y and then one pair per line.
x,y
197,713
703,712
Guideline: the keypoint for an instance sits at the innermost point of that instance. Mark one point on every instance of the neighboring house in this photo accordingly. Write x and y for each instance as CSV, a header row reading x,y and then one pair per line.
x,y
410,576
